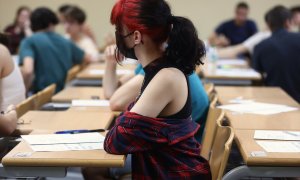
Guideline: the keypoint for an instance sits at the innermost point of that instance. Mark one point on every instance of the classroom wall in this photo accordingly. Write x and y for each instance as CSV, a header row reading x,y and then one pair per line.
x,y
206,14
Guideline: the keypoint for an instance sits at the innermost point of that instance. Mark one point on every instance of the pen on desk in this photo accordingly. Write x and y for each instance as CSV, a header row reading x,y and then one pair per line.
x,y
79,131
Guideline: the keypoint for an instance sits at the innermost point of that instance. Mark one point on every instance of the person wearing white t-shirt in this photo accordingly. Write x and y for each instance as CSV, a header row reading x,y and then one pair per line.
x,y
74,22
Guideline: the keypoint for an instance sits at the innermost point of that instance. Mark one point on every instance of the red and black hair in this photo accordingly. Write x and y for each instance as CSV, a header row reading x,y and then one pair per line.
x,y
154,18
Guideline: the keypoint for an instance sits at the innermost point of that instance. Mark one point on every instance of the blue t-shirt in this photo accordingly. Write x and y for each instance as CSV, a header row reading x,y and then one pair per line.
x,y
53,56
200,101
237,34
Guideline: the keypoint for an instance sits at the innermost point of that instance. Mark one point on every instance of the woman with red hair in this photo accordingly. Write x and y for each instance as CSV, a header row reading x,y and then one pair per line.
x,y
157,128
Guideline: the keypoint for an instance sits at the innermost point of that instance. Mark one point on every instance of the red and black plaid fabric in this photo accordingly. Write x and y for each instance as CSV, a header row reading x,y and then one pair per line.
x,y
160,148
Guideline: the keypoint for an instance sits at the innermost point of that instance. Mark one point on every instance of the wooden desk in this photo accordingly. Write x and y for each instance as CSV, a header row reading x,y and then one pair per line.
x,y
87,73
93,109
221,74
281,121
93,158
247,144
272,164
84,93
64,120
268,165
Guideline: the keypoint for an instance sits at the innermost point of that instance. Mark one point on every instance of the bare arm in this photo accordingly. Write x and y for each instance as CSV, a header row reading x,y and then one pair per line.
x,y
232,51
218,40
27,29
27,70
110,79
8,121
212,39
126,94
6,62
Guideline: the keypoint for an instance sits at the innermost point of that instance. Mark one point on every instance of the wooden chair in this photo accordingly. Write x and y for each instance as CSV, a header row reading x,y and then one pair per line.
x,y
209,88
28,104
214,115
213,100
45,95
220,150
72,73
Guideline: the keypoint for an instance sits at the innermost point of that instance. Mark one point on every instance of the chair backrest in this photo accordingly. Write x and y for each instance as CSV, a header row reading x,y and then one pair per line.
x,y
220,150
45,95
213,100
209,88
72,73
28,104
214,115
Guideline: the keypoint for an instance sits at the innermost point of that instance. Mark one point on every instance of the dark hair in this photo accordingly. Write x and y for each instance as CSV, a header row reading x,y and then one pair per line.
x,y
42,18
64,8
277,17
75,14
154,18
242,5
20,9
4,39
295,9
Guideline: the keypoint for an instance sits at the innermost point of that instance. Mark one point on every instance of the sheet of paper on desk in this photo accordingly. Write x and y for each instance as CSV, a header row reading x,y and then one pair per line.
x,y
277,135
231,62
63,138
241,100
280,146
101,72
67,147
237,72
258,108
90,103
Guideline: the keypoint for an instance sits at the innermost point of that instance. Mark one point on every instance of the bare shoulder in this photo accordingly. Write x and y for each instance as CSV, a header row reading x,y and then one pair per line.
x,y
170,76
4,55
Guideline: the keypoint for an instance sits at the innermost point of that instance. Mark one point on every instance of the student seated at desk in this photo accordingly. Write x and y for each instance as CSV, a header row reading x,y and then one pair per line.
x,y
85,27
234,31
8,121
46,57
12,89
74,25
19,29
157,128
246,47
277,57
122,92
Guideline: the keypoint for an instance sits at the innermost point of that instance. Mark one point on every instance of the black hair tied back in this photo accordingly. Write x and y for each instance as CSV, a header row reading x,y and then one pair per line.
x,y
184,48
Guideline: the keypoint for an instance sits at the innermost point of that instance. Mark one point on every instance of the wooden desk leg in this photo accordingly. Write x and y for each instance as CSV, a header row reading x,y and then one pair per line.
x,y
32,172
257,171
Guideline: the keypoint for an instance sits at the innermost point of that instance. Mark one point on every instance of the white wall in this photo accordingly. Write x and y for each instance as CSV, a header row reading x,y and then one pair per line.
x,y
206,14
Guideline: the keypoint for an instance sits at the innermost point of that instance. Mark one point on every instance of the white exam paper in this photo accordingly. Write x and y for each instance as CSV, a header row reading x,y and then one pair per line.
x,y
280,146
67,147
258,108
63,138
231,62
90,103
277,135
241,100
237,72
